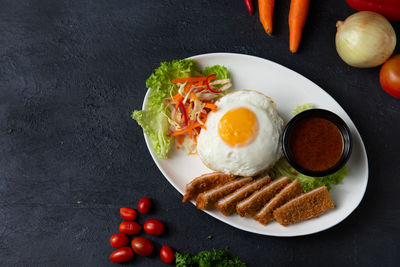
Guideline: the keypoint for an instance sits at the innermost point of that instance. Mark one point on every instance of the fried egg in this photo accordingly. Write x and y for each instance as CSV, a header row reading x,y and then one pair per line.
x,y
243,137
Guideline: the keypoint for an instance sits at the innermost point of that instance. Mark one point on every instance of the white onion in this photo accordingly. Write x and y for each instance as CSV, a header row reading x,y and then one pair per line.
x,y
365,39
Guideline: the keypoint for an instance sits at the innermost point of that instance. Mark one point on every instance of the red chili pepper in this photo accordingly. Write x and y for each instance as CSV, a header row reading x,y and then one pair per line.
x,y
250,6
183,111
210,78
388,8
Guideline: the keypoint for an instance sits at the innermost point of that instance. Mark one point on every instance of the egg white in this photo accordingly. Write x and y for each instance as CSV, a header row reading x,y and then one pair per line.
x,y
258,155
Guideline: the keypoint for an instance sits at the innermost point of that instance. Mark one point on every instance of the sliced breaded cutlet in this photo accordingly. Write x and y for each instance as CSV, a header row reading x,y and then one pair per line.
x,y
266,214
227,205
251,205
304,207
206,200
205,182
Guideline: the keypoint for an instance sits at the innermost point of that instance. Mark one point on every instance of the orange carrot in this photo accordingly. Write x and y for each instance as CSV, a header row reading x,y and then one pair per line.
x,y
176,133
187,129
266,10
187,87
178,97
297,19
190,79
180,139
194,96
203,117
191,133
211,106
198,83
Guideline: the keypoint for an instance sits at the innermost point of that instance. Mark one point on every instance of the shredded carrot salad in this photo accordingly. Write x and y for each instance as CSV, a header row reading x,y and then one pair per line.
x,y
190,107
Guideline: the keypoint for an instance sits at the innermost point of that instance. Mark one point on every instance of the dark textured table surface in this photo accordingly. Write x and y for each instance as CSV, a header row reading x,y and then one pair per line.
x,y
72,71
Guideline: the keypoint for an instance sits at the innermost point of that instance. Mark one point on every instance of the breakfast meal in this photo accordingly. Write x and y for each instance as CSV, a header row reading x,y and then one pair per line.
x,y
238,135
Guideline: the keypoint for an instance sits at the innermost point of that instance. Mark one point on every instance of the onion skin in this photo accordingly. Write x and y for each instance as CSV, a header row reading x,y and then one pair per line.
x,y
365,39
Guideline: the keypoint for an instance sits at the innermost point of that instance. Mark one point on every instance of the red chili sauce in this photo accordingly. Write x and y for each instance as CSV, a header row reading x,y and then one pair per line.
x,y
316,144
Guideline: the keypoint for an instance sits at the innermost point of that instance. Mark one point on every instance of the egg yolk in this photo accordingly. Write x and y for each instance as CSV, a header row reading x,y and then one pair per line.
x,y
238,127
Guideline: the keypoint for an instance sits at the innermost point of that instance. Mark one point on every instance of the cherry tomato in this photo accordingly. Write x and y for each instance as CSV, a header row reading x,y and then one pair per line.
x,y
128,214
119,240
129,228
144,205
142,246
167,254
123,254
154,227
389,76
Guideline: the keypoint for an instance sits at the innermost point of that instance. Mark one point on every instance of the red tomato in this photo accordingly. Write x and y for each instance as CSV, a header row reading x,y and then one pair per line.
x,y
144,205
167,254
142,246
154,227
119,240
389,76
128,214
129,228
123,254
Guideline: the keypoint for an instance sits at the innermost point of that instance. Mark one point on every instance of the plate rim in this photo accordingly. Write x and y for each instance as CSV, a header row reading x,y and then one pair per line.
x,y
358,135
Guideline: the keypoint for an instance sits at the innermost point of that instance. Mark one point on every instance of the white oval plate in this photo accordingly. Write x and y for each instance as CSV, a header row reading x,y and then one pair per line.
x,y
288,89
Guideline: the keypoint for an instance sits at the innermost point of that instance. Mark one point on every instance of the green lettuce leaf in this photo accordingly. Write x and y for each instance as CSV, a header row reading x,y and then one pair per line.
x,y
160,82
282,167
220,71
155,125
301,108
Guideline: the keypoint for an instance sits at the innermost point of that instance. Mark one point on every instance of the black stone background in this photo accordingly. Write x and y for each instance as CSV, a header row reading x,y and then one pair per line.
x,y
72,71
